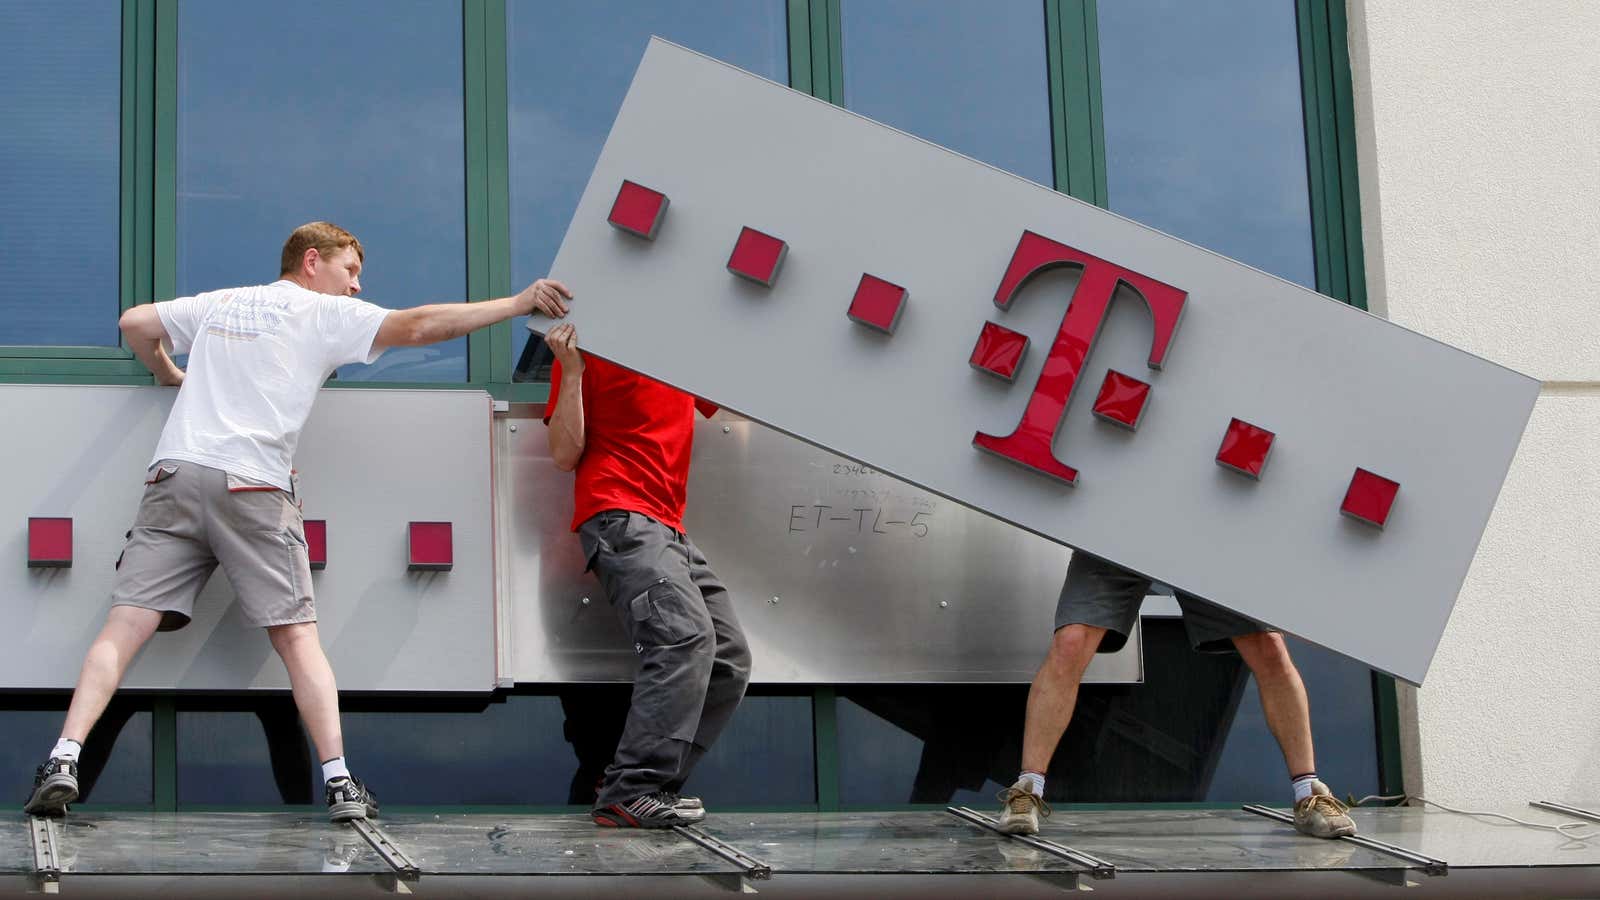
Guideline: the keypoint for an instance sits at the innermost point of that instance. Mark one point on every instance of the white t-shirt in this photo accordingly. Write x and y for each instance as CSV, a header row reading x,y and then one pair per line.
x,y
257,356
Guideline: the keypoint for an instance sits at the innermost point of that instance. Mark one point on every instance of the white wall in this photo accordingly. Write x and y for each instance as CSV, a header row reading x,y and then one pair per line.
x,y
1478,133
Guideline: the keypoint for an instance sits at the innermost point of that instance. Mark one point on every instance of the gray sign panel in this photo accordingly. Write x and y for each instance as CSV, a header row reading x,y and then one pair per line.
x,y
370,461
840,574
1339,389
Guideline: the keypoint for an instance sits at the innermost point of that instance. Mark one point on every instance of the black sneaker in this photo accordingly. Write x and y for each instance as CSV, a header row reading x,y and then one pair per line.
x,y
55,785
691,808
650,811
349,799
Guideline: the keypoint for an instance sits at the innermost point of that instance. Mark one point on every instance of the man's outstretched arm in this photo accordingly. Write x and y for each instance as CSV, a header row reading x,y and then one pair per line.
x,y
445,321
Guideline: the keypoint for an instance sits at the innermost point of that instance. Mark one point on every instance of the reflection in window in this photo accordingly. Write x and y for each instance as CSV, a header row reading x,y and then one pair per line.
x,y
1205,137
115,768
1193,731
60,64
540,750
348,111
569,63
970,75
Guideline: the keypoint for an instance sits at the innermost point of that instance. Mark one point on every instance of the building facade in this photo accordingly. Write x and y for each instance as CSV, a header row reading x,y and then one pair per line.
x,y
1411,161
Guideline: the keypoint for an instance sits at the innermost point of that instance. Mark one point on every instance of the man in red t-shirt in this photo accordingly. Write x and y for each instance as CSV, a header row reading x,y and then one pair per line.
x,y
629,437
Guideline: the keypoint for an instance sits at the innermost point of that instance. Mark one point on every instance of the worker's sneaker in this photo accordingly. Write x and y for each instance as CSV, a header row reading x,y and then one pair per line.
x,y
55,784
1320,815
1020,810
691,808
349,799
650,811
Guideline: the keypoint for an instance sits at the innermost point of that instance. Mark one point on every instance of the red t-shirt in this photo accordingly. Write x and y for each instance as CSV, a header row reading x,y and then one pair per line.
x,y
637,436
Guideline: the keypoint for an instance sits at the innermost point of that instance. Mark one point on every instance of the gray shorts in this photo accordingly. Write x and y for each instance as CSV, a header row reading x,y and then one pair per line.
x,y
193,517
1108,596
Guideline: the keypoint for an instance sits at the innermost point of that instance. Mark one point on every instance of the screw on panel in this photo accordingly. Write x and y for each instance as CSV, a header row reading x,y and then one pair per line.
x,y
584,601
774,601
726,429
944,604
513,428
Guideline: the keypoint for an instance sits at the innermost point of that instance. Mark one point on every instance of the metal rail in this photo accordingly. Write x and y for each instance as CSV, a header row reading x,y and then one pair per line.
x,y
404,868
1427,863
1093,865
46,858
1563,808
753,868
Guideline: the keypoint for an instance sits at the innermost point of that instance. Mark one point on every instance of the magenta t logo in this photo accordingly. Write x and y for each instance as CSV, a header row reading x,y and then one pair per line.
x,y
1030,443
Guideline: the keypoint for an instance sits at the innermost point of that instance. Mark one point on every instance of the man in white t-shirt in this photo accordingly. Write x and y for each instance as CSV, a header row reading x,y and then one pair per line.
x,y
220,487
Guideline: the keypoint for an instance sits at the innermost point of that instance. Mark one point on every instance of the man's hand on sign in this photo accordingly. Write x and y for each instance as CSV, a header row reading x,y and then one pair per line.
x,y
546,296
563,342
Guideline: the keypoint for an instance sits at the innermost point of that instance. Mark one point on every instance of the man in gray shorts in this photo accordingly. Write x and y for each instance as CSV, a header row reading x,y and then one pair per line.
x,y
1097,610
221,490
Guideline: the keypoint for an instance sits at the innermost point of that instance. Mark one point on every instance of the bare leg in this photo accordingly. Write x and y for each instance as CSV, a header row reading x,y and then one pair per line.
x,y
1054,694
1283,697
316,693
126,630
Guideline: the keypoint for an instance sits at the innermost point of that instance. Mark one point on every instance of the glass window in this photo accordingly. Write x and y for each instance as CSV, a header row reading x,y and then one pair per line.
x,y
537,750
968,74
1204,131
569,63
61,64
347,111
1192,732
115,767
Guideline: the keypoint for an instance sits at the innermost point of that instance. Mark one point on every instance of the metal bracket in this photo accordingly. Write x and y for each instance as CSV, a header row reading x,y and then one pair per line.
x,y
753,868
1564,809
404,868
1427,863
1093,865
734,883
46,859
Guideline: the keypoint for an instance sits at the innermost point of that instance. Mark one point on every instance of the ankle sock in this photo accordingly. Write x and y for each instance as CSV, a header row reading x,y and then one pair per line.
x,y
66,748
334,768
1302,785
1035,782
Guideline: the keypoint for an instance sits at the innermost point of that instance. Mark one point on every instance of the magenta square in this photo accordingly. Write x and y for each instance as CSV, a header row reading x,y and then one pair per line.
x,y
1122,399
999,351
1370,497
431,547
49,543
317,542
1244,448
757,256
878,303
638,210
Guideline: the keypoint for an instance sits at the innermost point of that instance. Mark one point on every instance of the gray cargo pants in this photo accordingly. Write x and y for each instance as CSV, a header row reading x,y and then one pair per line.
x,y
694,662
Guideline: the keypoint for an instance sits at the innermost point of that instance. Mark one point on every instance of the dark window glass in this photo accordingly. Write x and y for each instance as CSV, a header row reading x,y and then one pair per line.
x,y
1192,732
569,63
115,768
1205,136
968,74
61,67
347,111
542,750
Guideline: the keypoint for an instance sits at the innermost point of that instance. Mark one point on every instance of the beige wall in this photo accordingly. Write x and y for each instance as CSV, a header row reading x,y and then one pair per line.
x,y
1478,133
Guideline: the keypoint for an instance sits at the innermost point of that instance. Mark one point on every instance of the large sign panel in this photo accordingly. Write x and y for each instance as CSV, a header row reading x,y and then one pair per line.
x,y
1063,369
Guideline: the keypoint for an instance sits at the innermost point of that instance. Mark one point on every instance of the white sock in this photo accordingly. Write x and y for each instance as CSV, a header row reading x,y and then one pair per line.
x,y
334,768
67,748
1035,782
1302,786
